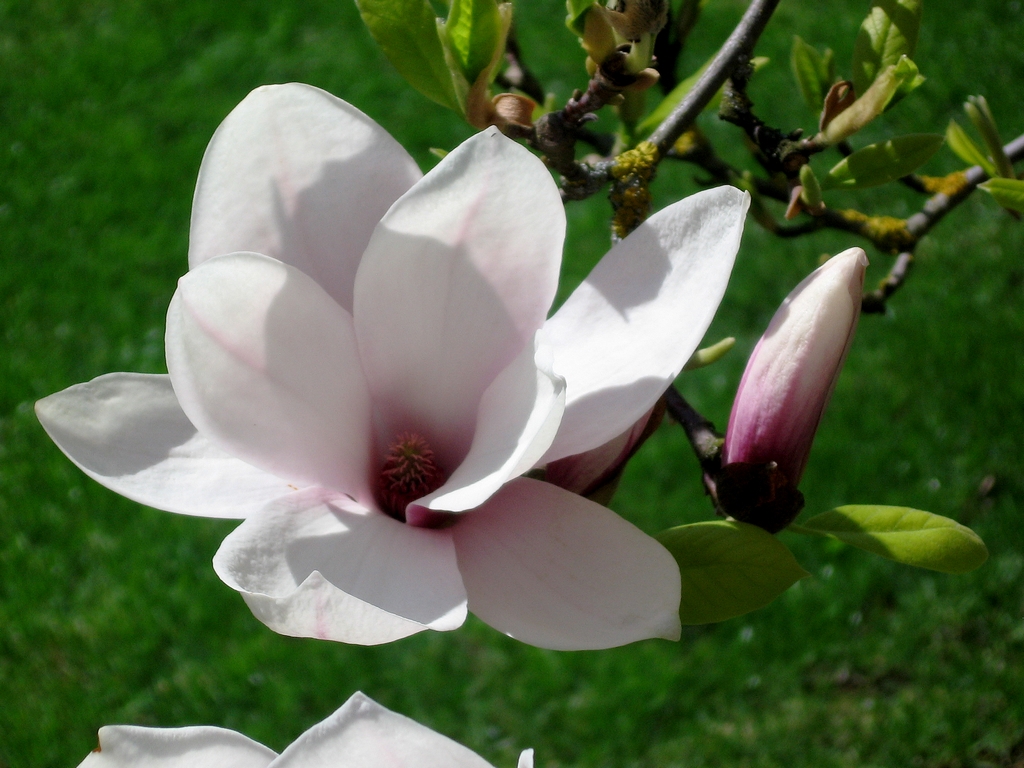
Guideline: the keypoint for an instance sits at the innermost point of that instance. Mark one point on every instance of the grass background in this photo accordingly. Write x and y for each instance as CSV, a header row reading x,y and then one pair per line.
x,y
110,612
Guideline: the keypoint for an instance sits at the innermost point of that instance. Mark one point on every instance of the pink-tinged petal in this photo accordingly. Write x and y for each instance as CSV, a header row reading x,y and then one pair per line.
x,y
585,472
127,432
456,280
555,570
265,364
316,564
625,333
517,420
299,175
793,369
363,734
132,746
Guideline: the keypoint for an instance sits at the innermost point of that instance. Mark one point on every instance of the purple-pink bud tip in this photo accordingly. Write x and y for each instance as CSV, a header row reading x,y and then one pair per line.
x,y
794,367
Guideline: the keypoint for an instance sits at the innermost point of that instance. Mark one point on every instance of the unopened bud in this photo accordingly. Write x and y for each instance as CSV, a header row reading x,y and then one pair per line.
x,y
811,194
794,367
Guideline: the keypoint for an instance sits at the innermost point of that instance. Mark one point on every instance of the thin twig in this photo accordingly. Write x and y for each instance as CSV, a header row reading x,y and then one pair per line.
x,y
873,302
920,223
705,441
940,204
555,134
740,44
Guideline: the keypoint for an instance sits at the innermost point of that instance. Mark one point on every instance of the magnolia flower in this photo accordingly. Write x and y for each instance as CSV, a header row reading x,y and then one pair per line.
x,y
360,368
794,367
362,734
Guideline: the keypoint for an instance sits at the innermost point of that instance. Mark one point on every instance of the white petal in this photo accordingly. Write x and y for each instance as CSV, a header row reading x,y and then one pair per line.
x,y
456,280
363,734
264,363
299,175
127,432
526,759
517,420
132,746
625,333
316,564
558,571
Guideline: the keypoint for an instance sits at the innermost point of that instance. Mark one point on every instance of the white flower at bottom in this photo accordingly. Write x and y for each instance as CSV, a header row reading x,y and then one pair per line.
x,y
362,734
362,369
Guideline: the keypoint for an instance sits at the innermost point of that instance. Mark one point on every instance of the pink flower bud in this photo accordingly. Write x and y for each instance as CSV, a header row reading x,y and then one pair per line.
x,y
794,367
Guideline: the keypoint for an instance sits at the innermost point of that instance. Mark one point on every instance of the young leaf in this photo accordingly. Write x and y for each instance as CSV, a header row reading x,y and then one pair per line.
x,y
728,569
474,31
406,30
910,78
1009,193
869,104
977,109
889,31
905,535
963,146
577,9
883,162
811,71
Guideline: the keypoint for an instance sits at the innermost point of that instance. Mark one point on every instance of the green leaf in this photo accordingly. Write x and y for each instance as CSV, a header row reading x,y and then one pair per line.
x,y
728,569
889,31
577,9
406,30
906,535
474,32
812,72
869,104
883,162
1009,193
963,146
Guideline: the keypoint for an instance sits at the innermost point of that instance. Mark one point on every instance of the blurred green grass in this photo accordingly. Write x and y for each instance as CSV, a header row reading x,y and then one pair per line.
x,y
110,612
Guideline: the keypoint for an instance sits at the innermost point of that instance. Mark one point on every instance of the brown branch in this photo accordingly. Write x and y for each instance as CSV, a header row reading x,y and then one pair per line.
x,y
942,203
873,302
921,223
705,441
739,45
888,234
556,133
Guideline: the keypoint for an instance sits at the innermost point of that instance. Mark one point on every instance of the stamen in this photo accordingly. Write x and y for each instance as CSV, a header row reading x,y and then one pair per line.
x,y
409,472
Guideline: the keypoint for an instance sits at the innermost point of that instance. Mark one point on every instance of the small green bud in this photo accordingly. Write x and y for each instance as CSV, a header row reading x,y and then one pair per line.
x,y
977,109
811,194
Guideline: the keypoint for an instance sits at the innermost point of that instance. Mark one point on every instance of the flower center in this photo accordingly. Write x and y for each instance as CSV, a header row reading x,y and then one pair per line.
x,y
409,472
